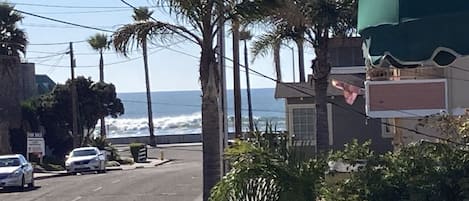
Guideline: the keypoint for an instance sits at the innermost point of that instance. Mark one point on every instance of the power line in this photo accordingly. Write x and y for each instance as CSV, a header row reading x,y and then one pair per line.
x,y
72,6
186,105
84,12
64,22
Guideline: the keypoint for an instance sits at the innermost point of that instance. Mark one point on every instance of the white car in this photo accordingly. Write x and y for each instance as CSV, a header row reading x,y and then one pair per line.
x,y
16,171
339,166
86,159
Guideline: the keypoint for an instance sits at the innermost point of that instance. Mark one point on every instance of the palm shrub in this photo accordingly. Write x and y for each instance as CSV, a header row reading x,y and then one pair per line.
x,y
134,148
264,168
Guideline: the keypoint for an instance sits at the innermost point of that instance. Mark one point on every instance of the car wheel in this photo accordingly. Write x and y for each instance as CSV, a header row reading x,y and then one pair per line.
x,y
31,185
21,188
102,169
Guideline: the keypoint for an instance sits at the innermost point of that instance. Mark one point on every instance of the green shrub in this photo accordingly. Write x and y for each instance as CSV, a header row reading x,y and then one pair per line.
x,y
134,147
52,167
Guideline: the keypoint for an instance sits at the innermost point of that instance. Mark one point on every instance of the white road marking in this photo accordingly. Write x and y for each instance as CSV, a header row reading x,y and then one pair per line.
x,y
97,189
116,181
77,198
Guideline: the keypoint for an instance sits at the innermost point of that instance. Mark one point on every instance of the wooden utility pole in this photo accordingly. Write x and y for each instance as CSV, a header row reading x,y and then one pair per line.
x,y
75,133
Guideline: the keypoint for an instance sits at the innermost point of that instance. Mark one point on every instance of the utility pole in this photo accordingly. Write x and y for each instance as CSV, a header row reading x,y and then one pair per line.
x,y
223,97
76,136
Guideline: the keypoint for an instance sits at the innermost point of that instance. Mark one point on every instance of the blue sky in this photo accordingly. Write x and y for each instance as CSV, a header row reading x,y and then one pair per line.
x,y
169,70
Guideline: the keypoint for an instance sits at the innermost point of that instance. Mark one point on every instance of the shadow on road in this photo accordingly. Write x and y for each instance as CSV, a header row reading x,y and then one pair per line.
x,y
15,190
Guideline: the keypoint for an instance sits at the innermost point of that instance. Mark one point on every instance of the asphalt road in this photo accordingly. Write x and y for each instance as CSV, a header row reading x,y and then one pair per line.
x,y
179,180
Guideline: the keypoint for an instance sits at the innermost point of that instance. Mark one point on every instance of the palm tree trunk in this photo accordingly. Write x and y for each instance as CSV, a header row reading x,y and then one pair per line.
x,y
101,79
236,79
149,106
301,59
278,69
248,87
10,109
320,84
212,166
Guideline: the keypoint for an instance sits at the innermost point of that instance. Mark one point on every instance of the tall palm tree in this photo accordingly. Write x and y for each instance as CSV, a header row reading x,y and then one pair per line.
x,y
245,35
202,17
13,40
327,19
13,43
123,40
235,23
100,43
313,21
270,41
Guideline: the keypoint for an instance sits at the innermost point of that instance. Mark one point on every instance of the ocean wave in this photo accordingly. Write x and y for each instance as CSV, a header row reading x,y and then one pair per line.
x,y
183,124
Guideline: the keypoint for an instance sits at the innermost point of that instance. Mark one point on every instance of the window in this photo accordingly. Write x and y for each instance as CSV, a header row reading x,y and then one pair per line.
x,y
302,124
388,128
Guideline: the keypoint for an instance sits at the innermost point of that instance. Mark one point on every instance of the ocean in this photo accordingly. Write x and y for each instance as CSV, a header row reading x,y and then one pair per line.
x,y
179,112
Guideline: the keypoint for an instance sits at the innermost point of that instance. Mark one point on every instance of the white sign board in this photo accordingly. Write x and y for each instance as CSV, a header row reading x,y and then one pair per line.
x,y
36,145
34,135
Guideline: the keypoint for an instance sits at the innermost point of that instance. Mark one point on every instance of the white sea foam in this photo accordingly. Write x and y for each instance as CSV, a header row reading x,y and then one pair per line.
x,y
183,124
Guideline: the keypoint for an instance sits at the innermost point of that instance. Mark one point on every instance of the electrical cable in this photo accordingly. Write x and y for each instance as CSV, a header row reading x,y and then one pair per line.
x,y
63,22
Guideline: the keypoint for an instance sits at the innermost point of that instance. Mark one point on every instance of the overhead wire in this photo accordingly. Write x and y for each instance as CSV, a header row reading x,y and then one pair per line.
x,y
72,6
63,22
255,72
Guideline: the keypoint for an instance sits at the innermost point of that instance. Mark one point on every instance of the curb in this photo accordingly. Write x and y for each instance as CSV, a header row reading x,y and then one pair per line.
x,y
53,175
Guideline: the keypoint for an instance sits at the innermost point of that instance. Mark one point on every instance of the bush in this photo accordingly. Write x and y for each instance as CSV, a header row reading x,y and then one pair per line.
x,y
134,148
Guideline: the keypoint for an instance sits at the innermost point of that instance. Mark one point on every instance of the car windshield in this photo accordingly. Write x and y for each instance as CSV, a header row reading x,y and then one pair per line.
x,y
86,152
9,162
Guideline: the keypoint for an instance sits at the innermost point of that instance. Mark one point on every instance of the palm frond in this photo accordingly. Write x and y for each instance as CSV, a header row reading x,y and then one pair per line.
x,y
264,44
135,34
99,41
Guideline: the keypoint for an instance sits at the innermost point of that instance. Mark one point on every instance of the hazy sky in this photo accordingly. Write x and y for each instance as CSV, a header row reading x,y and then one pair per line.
x,y
170,70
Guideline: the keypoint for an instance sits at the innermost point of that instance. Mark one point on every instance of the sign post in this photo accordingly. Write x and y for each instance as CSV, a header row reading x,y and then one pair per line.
x,y
36,145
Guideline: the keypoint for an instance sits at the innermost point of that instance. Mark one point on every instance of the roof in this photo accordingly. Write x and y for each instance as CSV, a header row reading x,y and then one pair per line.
x,y
306,89
403,33
84,148
10,156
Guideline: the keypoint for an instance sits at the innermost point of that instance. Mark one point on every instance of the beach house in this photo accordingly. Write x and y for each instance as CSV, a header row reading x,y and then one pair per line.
x,y
346,102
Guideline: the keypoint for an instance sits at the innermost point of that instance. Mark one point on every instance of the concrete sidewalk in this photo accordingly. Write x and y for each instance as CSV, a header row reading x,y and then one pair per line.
x,y
150,163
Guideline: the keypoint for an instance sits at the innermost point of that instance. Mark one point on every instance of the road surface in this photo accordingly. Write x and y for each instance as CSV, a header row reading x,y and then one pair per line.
x,y
179,180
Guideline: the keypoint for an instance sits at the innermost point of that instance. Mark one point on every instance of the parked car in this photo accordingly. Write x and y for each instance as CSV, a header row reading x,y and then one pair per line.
x,y
16,171
339,166
86,159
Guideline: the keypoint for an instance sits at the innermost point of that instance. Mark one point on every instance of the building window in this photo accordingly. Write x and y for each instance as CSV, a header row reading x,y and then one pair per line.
x,y
302,125
388,128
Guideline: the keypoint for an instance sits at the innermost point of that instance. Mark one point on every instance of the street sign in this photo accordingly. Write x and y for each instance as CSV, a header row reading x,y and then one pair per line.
x,y
37,146
34,135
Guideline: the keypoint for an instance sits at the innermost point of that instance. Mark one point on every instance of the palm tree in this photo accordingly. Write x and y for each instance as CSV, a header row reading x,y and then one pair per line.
x,y
13,40
202,17
245,35
123,40
100,43
314,22
13,43
264,43
327,19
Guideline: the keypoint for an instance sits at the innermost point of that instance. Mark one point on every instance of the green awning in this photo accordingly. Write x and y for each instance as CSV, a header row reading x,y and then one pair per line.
x,y
410,33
